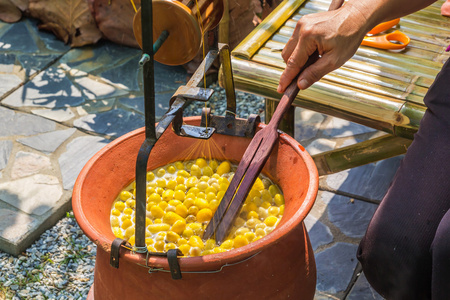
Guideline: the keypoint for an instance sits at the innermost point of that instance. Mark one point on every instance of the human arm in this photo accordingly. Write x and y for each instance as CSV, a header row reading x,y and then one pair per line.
x,y
337,34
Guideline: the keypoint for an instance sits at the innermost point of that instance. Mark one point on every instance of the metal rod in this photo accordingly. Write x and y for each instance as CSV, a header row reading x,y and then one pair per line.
x,y
159,42
161,39
150,134
148,69
144,59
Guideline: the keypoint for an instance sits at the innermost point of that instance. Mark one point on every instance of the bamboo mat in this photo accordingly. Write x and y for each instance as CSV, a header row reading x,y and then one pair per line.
x,y
377,88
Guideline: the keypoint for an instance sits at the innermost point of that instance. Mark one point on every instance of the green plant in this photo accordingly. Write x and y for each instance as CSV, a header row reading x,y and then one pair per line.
x,y
5,292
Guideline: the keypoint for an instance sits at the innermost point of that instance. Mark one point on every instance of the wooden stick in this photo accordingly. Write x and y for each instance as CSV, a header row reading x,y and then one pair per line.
x,y
251,164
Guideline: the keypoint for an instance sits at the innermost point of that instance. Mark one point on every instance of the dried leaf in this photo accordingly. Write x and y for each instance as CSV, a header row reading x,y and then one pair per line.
x,y
57,30
115,20
9,12
21,4
69,20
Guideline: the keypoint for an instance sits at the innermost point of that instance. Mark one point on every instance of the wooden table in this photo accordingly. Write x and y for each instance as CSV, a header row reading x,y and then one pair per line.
x,y
377,88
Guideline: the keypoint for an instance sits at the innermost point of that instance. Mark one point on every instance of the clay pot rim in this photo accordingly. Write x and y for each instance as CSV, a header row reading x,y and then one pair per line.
x,y
211,262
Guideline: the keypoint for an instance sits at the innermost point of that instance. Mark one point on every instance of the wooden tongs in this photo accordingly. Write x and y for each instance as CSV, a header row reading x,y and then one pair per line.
x,y
251,164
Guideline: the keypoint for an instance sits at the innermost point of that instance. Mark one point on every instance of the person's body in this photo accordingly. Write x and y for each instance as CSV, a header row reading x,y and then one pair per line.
x,y
405,253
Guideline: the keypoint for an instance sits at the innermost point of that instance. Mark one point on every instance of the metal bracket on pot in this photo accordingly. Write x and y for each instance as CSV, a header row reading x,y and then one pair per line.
x,y
183,95
182,98
172,259
229,124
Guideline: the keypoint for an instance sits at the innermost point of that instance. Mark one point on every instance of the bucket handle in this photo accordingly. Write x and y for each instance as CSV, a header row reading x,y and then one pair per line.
x,y
155,270
172,257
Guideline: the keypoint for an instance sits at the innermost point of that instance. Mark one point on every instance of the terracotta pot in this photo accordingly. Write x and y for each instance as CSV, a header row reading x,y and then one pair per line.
x,y
278,266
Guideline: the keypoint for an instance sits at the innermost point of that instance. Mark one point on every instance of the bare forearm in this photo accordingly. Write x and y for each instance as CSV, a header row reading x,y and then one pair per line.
x,y
377,11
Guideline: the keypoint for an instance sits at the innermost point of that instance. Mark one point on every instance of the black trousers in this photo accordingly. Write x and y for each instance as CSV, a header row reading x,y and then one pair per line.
x,y
405,253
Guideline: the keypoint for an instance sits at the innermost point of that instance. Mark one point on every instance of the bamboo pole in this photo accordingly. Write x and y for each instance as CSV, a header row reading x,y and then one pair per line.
x,y
267,28
394,60
224,24
371,83
366,108
413,113
438,23
359,62
377,71
360,154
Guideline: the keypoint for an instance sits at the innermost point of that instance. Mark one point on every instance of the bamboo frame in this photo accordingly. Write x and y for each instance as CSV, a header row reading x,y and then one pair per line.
x,y
376,88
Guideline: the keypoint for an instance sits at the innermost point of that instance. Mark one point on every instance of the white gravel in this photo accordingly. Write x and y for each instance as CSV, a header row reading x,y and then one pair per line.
x,y
246,104
59,265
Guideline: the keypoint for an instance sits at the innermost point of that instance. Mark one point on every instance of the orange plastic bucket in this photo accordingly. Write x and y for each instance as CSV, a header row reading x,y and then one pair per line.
x,y
279,266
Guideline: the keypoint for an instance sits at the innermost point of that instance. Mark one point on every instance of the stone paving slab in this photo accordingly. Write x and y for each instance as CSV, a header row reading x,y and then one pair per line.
x,y
24,51
47,142
363,291
336,224
83,148
32,194
338,260
369,181
59,106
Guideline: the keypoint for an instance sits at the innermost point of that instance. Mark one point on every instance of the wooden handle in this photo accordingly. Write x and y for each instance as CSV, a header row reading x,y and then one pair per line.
x,y
292,90
290,93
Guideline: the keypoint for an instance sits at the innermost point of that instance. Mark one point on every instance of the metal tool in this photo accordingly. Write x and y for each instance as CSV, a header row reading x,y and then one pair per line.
x,y
169,37
228,124
152,134
183,96
251,164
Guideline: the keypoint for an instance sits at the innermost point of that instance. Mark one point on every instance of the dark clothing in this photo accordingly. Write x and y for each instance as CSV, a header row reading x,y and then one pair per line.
x,y
405,253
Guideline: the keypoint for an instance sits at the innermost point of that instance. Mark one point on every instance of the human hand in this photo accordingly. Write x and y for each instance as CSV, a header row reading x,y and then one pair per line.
x,y
335,34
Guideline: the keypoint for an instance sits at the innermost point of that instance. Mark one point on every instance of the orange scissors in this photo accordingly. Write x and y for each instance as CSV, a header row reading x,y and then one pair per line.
x,y
392,41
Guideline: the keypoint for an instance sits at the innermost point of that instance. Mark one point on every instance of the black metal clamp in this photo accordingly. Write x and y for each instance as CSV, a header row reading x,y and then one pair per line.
x,y
115,252
228,124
